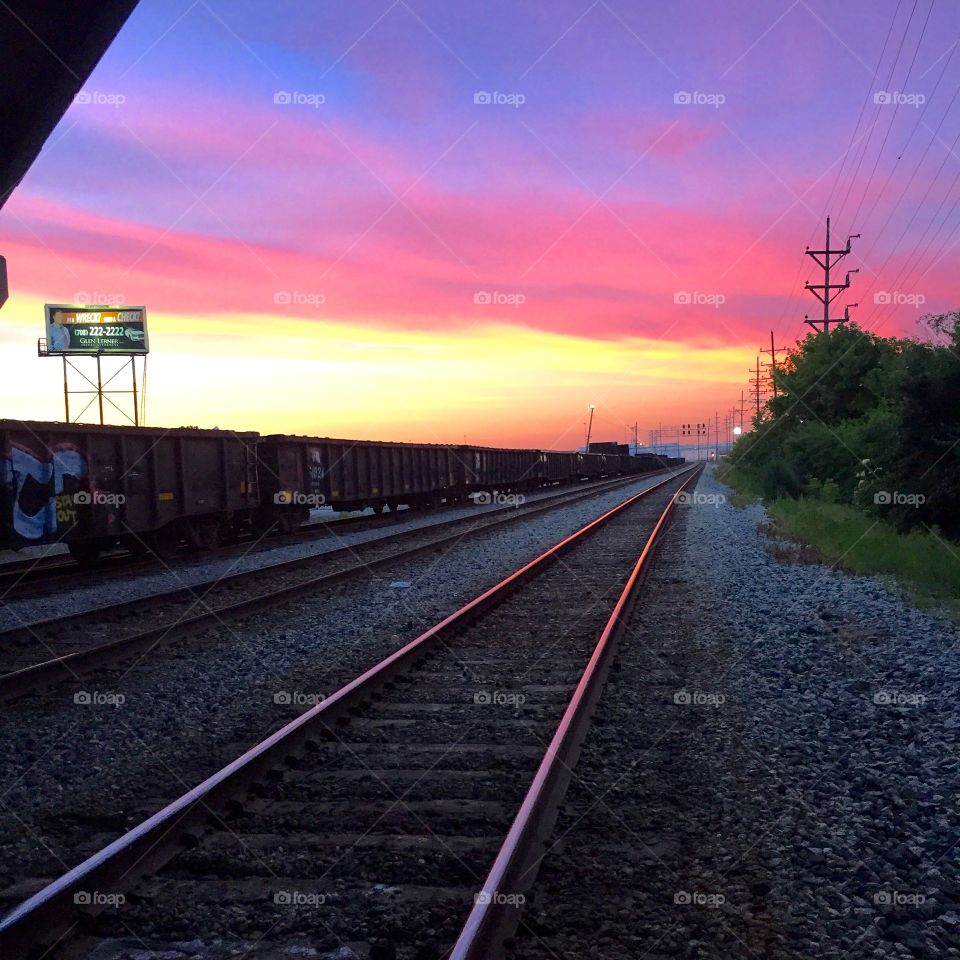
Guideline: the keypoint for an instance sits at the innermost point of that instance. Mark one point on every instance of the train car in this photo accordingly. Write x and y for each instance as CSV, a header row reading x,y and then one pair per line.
x,y
588,466
654,461
609,464
154,489
94,487
561,466
297,473
506,470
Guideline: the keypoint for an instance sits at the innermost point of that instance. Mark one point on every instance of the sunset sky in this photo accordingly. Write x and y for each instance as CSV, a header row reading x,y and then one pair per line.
x,y
333,237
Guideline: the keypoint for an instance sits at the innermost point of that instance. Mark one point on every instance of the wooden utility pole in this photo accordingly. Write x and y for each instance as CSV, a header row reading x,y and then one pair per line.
x,y
773,351
756,381
743,402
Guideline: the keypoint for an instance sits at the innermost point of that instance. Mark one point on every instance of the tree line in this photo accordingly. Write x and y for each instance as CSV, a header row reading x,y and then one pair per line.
x,y
866,420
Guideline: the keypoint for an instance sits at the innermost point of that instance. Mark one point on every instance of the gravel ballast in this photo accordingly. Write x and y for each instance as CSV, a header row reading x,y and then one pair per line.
x,y
414,792
773,771
94,757
249,556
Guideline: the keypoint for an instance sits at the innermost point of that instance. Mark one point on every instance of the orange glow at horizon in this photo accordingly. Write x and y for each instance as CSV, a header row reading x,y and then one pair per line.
x,y
493,384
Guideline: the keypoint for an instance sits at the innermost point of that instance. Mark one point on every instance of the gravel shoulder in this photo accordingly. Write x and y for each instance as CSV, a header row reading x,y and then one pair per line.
x,y
773,771
95,758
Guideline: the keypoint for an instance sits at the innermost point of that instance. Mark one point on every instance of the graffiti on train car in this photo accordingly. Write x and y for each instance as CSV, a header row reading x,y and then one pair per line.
x,y
316,473
38,495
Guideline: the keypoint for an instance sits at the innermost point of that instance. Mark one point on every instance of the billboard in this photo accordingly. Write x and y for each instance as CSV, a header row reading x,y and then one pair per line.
x,y
96,329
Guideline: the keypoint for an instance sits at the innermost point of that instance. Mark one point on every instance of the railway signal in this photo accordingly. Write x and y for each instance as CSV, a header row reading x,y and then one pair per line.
x,y
697,430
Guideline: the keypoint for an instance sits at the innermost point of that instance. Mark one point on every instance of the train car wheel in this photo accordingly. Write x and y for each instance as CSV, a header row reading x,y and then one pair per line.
x,y
135,545
289,522
84,551
165,543
207,535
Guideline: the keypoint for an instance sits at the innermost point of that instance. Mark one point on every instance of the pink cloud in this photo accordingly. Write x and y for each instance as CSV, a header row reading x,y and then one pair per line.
x,y
660,137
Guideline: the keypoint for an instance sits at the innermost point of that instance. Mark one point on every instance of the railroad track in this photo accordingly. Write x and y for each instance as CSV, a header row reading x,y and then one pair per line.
x,y
415,772
17,575
37,654
41,576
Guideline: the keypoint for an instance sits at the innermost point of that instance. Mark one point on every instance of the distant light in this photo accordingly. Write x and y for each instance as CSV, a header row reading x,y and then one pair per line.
x,y
737,431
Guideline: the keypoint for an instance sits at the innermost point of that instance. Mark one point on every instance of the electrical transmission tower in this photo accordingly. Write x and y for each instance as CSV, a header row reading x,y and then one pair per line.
x,y
827,292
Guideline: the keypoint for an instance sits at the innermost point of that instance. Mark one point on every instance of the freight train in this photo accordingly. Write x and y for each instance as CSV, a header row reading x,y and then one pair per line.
x,y
152,490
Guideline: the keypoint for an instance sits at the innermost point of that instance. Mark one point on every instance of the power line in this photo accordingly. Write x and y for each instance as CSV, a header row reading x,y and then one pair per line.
x,y
893,116
920,120
871,86
933,139
878,106
918,256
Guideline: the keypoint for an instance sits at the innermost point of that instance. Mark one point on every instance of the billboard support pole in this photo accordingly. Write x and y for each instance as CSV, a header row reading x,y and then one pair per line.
x,y
100,389
66,392
136,408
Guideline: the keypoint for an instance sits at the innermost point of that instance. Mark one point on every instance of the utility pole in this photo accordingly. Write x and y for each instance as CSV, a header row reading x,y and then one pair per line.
x,y
743,403
773,351
827,292
589,428
756,382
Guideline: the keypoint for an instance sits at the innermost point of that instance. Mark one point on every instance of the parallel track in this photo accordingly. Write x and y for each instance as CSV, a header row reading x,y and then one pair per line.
x,y
41,576
416,767
37,654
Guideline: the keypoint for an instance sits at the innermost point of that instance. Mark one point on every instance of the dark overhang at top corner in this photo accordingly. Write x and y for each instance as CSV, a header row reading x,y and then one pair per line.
x,y
48,49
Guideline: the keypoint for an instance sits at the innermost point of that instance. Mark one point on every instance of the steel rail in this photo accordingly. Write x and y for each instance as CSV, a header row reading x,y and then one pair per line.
x,y
47,915
24,576
18,683
496,911
55,572
120,607
19,579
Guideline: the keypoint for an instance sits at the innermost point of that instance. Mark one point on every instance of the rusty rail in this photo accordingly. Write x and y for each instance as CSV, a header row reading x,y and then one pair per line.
x,y
499,904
